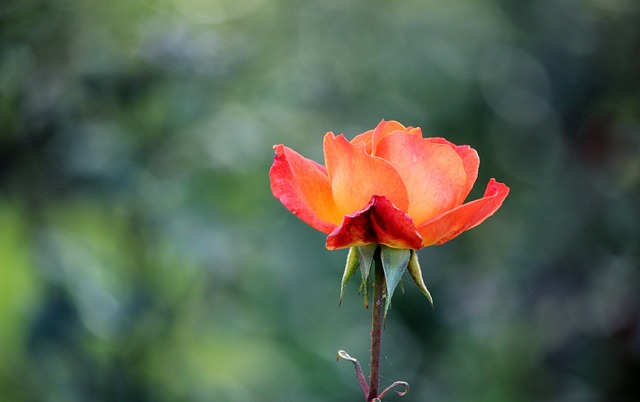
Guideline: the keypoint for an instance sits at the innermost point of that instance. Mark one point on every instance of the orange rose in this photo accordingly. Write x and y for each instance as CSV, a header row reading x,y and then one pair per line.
x,y
387,186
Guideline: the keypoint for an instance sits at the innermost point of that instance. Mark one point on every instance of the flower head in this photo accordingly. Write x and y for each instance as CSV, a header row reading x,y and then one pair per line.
x,y
387,186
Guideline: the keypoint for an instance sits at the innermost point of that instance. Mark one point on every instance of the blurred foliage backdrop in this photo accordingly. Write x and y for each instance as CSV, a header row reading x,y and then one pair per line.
x,y
143,257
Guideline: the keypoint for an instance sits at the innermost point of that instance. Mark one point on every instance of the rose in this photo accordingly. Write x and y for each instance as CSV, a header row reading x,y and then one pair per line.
x,y
385,194
387,186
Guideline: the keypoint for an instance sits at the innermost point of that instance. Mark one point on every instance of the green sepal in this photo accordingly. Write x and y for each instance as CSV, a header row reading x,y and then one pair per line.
x,y
394,264
365,256
401,286
364,290
416,274
349,270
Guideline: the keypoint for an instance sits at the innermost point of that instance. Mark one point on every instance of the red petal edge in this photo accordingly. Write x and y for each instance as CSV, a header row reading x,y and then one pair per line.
x,y
287,185
378,222
452,223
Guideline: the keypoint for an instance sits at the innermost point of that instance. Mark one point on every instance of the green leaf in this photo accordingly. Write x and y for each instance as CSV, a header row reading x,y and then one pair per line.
x,y
394,264
349,269
365,256
416,274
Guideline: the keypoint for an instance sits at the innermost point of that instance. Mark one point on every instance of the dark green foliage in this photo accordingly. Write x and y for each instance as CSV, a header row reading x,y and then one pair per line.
x,y
143,257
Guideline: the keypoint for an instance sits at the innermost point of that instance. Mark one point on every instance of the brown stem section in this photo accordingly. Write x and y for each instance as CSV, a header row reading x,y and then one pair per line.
x,y
376,328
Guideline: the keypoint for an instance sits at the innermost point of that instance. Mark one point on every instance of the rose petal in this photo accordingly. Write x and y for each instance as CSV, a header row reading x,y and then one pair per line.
x,y
470,160
383,129
450,224
356,177
433,173
303,186
378,222
369,139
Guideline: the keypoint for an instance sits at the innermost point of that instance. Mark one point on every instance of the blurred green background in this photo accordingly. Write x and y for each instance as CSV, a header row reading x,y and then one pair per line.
x,y
143,257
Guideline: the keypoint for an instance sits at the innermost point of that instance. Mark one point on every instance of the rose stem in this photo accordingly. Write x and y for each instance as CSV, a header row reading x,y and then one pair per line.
x,y
376,328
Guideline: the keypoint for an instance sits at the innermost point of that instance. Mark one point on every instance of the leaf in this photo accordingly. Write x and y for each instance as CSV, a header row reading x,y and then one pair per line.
x,y
349,269
359,374
365,256
416,274
396,384
394,264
